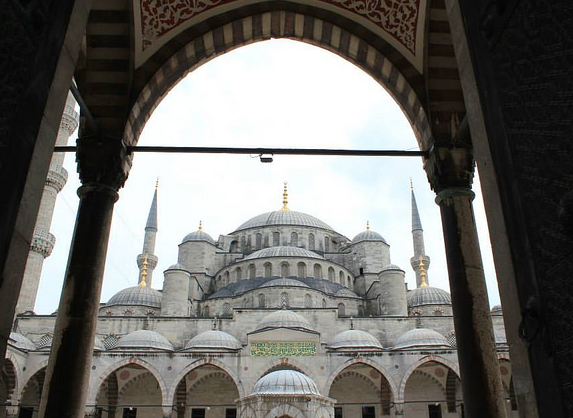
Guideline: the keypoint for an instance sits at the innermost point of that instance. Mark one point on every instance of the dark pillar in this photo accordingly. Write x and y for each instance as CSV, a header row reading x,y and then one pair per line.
x,y
479,368
38,51
103,166
451,173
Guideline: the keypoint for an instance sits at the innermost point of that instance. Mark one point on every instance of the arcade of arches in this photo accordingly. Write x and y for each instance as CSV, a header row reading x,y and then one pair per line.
x,y
484,82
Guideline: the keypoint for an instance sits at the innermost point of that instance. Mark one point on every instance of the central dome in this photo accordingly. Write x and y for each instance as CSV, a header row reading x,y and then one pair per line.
x,y
136,296
283,251
283,217
285,382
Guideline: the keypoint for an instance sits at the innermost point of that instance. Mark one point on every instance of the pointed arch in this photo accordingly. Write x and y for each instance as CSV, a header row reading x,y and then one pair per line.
x,y
202,362
285,410
428,359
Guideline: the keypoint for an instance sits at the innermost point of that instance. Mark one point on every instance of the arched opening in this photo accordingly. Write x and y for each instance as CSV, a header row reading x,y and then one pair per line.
x,y
206,388
301,269
432,389
311,243
359,389
8,384
252,271
268,270
130,390
317,271
294,239
31,394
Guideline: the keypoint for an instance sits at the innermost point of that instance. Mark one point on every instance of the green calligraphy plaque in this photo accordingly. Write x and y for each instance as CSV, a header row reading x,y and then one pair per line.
x,y
283,349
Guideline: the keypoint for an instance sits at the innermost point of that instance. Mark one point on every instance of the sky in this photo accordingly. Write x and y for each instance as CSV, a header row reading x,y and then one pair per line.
x,y
282,94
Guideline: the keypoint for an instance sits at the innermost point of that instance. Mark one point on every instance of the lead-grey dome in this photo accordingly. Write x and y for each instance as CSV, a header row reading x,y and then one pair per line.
x,y
285,382
497,310
284,281
355,339
391,267
144,339
284,319
280,217
283,251
421,338
368,235
428,296
136,296
213,340
198,236
21,341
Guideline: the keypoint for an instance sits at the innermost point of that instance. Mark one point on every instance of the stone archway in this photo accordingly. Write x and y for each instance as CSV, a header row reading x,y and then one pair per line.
x,y
31,394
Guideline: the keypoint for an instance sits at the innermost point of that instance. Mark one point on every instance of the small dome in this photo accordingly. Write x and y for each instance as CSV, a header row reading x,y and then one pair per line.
x,y
213,340
391,267
355,339
198,236
21,341
284,319
285,382
283,251
177,266
279,217
368,235
144,339
421,337
428,296
284,281
136,296
497,310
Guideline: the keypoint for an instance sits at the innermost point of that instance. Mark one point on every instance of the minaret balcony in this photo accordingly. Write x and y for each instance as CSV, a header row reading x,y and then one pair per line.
x,y
70,119
43,242
57,177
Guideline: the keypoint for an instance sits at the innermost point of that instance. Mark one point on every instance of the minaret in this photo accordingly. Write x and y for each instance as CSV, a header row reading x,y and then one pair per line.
x,y
43,241
420,262
147,260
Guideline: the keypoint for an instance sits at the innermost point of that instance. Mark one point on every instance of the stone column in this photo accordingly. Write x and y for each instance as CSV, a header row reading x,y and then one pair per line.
x,y
479,367
451,175
103,165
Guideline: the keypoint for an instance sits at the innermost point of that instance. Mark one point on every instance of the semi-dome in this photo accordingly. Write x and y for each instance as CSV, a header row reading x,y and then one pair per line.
x,y
283,217
421,338
20,341
176,266
284,281
391,267
144,339
283,251
285,382
428,296
368,235
355,339
284,319
198,235
497,310
213,340
136,296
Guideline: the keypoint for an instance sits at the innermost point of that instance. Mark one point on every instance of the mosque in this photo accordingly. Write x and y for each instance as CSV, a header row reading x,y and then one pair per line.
x,y
282,317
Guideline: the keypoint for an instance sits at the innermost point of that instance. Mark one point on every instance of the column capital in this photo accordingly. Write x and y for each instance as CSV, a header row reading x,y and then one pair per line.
x,y
450,167
102,160
445,194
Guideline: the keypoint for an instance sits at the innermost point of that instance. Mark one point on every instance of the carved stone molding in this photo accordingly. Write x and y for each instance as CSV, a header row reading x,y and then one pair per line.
x,y
450,167
43,242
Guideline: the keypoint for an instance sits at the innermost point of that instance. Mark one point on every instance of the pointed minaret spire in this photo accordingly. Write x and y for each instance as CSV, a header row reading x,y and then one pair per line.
x,y
420,262
147,260
285,199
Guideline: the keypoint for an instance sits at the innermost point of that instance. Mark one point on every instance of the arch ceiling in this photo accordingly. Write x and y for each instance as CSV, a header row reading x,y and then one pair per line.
x,y
135,51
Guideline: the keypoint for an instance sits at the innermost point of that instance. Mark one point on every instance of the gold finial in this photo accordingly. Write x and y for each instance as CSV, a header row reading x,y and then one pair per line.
x,y
411,184
200,226
368,225
423,273
285,199
157,183
143,272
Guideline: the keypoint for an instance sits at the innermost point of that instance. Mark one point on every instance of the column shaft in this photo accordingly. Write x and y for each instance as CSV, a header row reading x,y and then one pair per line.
x,y
67,375
479,368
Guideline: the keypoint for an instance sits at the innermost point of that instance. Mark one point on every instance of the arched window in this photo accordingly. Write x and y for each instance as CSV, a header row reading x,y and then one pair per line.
x,y
234,245
259,241
324,303
331,274
243,243
317,271
301,267
341,310
238,274
311,241
268,270
341,277
227,278
227,310
206,311
249,243
307,301
285,270
276,239
261,301
349,282
326,244
294,239
285,300
252,271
